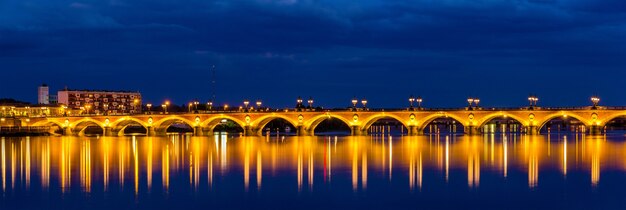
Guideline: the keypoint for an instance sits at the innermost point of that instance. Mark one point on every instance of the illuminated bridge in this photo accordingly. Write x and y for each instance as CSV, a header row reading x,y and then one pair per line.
x,y
592,120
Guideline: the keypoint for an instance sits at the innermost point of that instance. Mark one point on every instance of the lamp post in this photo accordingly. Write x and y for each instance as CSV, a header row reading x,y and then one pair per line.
x,y
299,103
64,110
364,102
195,104
246,103
225,107
258,104
419,102
310,102
476,100
411,100
209,105
189,107
135,105
533,101
595,100
106,109
164,106
354,102
149,108
470,100
87,107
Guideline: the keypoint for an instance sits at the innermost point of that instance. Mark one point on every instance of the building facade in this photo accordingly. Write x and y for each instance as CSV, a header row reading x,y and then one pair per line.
x,y
43,94
101,102
53,99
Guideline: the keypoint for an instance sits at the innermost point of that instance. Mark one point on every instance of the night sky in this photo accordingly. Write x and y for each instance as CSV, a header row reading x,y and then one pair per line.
x,y
384,50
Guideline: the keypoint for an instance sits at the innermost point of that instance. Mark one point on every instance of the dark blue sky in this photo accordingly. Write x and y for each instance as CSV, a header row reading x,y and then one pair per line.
x,y
385,50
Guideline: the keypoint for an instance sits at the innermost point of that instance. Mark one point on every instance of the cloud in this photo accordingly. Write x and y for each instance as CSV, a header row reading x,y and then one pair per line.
x,y
250,39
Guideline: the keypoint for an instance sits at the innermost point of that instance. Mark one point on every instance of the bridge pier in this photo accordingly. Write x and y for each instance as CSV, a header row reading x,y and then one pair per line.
x,y
356,131
532,130
108,131
595,130
471,130
67,131
413,130
151,131
301,131
248,131
197,131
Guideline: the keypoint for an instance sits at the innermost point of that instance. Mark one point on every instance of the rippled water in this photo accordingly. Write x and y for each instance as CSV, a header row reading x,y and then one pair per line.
x,y
432,172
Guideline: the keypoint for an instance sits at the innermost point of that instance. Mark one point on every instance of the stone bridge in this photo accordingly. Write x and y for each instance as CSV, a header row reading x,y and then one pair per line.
x,y
415,121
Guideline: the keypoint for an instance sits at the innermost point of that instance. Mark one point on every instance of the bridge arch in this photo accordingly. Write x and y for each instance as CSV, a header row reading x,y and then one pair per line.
x,y
311,124
612,117
212,122
261,122
161,125
507,127
56,127
550,117
430,118
79,127
367,123
486,119
48,122
118,126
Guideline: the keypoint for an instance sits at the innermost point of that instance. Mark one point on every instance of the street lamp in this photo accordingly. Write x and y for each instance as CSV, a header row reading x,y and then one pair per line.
x,y
595,100
411,100
299,103
258,104
164,106
477,100
310,102
246,103
149,108
195,103
106,109
64,110
470,100
533,101
419,102
354,102
225,107
364,102
87,107
209,105
135,104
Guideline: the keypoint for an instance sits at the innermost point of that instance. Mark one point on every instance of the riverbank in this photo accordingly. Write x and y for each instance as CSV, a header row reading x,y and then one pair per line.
x,y
24,131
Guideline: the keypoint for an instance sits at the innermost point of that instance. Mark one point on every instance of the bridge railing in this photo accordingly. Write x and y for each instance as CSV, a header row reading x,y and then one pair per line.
x,y
351,109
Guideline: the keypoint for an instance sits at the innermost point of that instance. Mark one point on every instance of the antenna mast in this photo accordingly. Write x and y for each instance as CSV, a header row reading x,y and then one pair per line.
x,y
213,84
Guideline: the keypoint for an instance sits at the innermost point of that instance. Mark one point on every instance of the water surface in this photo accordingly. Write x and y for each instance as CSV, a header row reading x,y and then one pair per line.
x,y
407,172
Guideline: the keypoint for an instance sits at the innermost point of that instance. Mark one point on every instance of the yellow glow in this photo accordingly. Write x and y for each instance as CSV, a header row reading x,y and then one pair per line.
x,y
136,164
246,166
4,166
149,162
165,168
564,155
356,154
85,165
259,169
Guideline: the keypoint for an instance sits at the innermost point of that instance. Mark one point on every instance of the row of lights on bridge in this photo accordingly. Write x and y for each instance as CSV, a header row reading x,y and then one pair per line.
x,y
473,103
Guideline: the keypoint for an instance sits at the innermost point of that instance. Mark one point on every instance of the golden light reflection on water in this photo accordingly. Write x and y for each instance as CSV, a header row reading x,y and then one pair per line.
x,y
108,161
